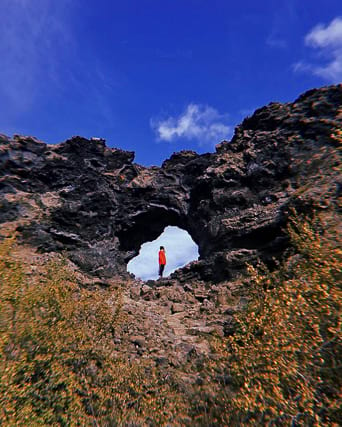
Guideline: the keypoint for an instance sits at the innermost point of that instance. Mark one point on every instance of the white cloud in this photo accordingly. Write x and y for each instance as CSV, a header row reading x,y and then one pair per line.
x,y
180,250
327,40
329,36
198,122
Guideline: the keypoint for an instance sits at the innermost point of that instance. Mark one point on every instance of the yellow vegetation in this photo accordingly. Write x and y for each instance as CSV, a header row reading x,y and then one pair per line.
x,y
282,367
285,360
56,355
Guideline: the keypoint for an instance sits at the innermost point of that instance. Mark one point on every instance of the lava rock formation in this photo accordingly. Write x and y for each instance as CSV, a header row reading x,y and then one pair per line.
x,y
97,206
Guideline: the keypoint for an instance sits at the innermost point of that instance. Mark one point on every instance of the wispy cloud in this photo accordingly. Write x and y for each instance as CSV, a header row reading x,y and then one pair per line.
x,y
283,18
41,61
180,250
276,42
198,122
34,37
327,41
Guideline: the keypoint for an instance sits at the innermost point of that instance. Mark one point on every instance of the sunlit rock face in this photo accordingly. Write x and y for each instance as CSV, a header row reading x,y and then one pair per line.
x,y
98,206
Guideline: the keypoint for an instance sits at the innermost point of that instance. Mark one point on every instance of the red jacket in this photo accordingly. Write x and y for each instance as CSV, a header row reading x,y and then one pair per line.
x,y
162,258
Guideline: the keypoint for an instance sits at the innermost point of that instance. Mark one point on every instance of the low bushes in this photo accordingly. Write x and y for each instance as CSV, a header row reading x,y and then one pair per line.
x,y
56,354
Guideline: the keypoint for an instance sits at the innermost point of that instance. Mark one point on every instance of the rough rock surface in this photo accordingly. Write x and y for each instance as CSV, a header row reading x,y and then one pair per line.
x,y
98,206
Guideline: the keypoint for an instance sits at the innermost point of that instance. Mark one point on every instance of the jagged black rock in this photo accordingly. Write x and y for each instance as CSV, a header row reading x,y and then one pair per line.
x,y
98,206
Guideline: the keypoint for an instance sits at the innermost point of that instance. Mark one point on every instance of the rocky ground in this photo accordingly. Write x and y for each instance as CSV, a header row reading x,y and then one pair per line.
x,y
176,321
171,323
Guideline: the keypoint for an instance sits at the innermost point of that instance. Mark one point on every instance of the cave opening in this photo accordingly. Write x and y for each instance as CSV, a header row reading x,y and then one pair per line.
x,y
180,250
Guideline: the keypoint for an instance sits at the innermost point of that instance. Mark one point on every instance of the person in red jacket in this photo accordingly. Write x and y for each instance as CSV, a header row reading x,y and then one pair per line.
x,y
162,261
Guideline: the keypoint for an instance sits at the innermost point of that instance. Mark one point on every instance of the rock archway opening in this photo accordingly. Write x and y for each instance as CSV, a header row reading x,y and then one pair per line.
x,y
180,250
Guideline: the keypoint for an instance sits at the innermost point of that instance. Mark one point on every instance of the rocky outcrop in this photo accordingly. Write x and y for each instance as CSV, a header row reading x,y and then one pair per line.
x,y
97,206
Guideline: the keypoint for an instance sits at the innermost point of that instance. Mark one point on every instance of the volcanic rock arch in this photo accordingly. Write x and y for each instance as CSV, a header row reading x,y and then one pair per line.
x,y
147,226
98,206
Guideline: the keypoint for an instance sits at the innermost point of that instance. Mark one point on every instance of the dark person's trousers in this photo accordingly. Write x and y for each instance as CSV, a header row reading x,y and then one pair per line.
x,y
161,269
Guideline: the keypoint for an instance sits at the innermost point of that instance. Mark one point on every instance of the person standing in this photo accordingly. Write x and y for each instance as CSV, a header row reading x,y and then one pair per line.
x,y
162,261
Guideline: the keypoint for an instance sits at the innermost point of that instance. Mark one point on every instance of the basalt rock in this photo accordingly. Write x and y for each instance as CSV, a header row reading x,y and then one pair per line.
x,y
97,206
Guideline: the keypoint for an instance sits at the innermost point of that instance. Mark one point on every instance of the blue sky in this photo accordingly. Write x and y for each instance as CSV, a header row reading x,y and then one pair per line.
x,y
158,76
